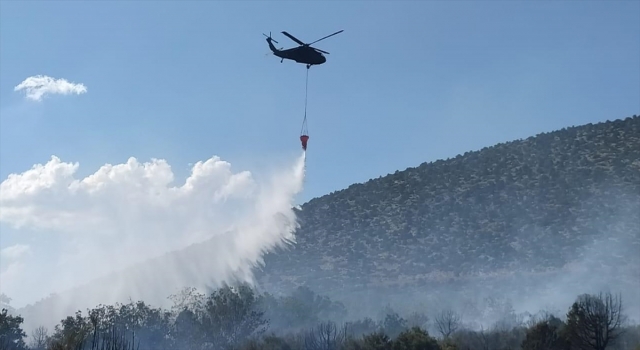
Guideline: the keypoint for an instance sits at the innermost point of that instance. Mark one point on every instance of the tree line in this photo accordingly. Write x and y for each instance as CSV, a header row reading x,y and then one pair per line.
x,y
239,318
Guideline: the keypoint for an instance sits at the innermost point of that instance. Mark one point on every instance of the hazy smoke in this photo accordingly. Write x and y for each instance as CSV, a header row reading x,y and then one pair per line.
x,y
67,231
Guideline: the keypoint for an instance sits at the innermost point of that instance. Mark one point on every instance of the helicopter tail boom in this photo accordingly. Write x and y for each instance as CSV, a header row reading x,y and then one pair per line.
x,y
273,48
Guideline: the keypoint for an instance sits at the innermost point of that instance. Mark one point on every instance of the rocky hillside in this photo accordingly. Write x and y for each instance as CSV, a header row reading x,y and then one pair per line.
x,y
556,200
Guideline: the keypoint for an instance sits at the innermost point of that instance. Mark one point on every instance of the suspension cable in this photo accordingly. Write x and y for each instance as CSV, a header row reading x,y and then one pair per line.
x,y
304,130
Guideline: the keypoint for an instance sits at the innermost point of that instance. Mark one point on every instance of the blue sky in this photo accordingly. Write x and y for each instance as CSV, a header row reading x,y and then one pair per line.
x,y
406,82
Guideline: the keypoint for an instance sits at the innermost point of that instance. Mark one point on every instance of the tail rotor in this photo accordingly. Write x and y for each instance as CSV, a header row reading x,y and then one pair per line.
x,y
269,37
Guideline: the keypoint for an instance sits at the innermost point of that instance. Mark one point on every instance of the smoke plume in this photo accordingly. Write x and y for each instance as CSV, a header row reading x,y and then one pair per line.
x,y
126,232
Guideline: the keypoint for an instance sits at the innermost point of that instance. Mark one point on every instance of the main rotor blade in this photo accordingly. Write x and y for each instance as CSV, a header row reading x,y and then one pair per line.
x,y
338,32
293,38
319,50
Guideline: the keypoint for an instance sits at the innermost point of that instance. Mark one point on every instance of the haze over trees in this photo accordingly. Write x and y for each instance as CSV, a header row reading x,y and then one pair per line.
x,y
240,318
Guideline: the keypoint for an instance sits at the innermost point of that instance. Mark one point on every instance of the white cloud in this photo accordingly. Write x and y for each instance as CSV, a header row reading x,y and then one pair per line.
x,y
14,252
39,85
127,213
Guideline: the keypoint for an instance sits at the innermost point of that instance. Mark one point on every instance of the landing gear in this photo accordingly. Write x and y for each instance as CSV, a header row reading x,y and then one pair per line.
x,y
308,66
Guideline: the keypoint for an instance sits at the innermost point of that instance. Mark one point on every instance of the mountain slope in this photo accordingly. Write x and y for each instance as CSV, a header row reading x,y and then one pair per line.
x,y
566,197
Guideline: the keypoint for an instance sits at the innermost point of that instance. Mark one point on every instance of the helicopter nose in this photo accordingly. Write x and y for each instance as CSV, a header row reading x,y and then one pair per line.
x,y
323,59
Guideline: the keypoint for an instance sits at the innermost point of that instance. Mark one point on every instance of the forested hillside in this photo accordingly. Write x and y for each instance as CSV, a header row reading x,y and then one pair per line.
x,y
559,200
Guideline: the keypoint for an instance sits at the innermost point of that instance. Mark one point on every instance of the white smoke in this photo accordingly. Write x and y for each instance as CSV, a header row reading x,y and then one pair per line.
x,y
211,230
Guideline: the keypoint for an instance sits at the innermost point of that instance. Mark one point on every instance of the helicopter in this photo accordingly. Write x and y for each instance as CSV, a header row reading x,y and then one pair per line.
x,y
301,54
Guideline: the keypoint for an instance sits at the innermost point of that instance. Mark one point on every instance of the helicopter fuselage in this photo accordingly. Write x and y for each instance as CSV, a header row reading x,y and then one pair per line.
x,y
300,54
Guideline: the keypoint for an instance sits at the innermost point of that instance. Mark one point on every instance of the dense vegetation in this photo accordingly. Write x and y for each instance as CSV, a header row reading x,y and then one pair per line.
x,y
240,318
550,202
